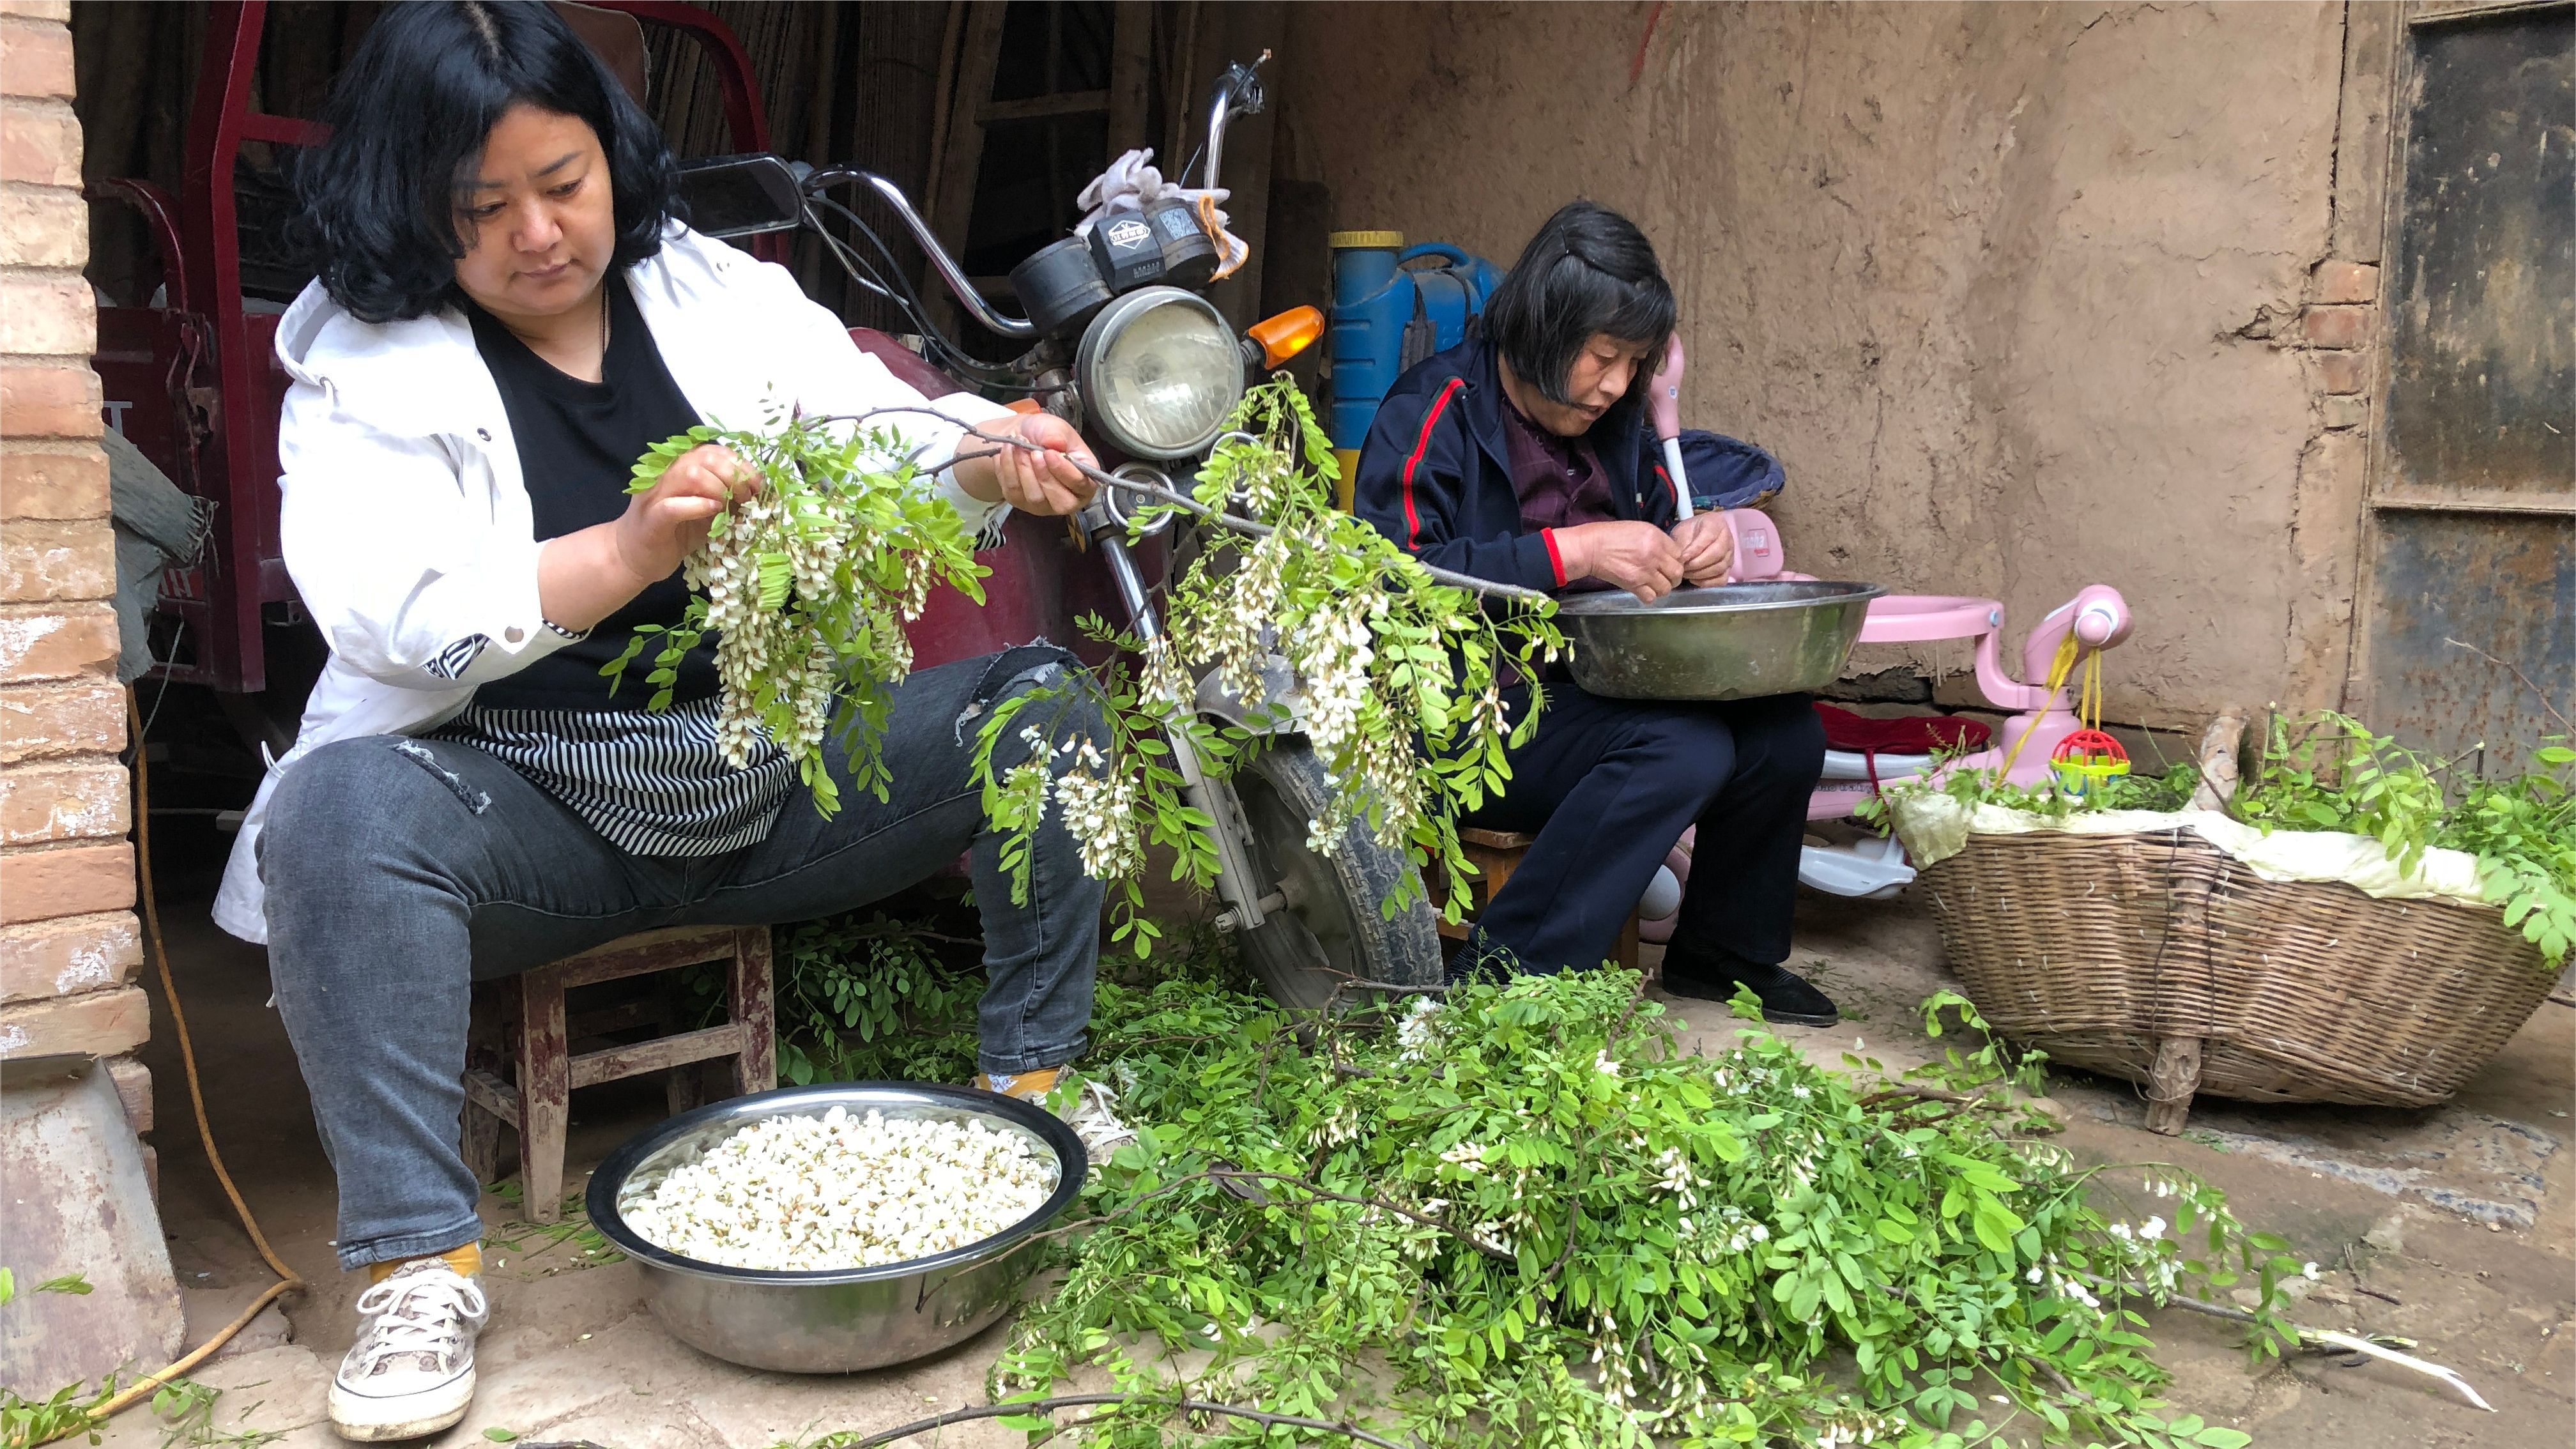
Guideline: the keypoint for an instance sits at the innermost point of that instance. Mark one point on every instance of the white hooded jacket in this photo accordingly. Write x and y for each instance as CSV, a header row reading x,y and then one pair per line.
x,y
404,519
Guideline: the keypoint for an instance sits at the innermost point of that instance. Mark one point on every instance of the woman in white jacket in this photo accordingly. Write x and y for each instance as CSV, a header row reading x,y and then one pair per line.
x,y
506,315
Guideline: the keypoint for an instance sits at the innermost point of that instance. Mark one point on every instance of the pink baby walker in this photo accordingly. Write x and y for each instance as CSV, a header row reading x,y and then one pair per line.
x,y
2071,634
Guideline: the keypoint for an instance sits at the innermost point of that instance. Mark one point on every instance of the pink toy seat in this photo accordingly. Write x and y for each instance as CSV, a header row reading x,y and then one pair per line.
x,y
1759,552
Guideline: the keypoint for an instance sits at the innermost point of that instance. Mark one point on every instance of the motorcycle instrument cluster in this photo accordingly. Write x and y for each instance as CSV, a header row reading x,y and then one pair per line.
x,y
1189,257
1063,284
1129,253
1059,286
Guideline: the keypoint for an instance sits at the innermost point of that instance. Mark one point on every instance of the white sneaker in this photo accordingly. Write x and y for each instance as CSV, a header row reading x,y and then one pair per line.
x,y
411,1372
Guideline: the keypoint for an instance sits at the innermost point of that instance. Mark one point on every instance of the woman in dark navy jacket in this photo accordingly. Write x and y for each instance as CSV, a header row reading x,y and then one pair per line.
x,y
1522,456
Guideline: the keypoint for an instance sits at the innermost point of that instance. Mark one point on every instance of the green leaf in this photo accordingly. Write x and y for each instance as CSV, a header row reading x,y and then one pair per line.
x,y
501,1436
1979,1174
1995,1224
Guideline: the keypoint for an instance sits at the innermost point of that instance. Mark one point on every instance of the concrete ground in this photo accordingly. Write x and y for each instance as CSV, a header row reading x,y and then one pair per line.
x,y
2454,1226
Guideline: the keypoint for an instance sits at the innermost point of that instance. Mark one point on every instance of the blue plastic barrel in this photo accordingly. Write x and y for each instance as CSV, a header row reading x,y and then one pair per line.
x,y
1376,297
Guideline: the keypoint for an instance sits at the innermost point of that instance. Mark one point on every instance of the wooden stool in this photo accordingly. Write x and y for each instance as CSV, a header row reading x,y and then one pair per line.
x,y
1495,854
520,1023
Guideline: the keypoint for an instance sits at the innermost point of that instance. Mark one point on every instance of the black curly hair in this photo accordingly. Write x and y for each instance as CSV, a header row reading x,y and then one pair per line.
x,y
378,201
1588,271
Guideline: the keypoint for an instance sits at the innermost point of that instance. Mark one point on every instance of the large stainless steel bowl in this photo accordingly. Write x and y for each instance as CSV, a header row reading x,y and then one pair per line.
x,y
1734,641
838,1320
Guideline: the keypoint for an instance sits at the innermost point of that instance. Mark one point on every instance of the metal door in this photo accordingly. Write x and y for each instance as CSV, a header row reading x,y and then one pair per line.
x,y
2469,632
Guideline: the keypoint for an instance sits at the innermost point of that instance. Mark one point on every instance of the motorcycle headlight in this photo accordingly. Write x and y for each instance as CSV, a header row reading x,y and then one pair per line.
x,y
1160,372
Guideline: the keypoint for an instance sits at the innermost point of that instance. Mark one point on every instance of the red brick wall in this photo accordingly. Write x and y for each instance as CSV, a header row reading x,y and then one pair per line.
x,y
69,945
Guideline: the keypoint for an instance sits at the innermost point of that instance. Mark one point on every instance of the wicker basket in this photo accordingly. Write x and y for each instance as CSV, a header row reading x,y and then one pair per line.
x,y
2160,958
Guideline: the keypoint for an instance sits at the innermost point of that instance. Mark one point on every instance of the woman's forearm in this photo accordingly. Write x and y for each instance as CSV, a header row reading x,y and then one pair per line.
x,y
582,579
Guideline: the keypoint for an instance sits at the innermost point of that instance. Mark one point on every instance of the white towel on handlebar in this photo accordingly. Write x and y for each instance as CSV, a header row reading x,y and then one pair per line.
x,y
1133,183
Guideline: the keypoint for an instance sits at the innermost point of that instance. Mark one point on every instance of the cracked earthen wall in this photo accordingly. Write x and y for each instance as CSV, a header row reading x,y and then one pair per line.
x,y
2018,293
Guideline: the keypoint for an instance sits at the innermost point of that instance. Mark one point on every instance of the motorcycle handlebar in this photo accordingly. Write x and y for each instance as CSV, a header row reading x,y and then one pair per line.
x,y
1238,90
949,271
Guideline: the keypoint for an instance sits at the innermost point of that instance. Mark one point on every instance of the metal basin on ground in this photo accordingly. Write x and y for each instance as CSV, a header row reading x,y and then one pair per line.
x,y
1734,641
834,1320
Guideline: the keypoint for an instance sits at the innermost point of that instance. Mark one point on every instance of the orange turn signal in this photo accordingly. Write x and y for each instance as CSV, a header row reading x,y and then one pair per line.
x,y
1284,336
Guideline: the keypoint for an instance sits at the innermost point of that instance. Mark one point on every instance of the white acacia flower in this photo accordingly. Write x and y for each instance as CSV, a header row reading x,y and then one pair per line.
x,y
841,1191
1418,1030
1099,806
1466,1157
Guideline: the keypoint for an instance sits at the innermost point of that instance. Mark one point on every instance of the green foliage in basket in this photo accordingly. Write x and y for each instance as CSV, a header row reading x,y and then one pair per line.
x,y
1522,1215
2327,771
2134,791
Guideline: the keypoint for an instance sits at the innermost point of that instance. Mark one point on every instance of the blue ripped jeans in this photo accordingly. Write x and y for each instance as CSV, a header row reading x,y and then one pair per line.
x,y
399,872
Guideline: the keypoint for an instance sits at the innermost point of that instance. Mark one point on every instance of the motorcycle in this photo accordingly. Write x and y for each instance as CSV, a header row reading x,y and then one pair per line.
x,y
1120,341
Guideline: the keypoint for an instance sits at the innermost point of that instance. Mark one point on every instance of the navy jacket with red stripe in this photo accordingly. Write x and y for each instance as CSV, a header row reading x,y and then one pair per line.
x,y
1435,474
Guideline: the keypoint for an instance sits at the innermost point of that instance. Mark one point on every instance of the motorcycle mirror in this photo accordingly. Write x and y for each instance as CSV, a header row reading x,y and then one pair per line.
x,y
729,196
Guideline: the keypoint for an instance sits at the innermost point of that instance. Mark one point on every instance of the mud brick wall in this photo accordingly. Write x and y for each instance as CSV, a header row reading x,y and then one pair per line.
x,y
69,943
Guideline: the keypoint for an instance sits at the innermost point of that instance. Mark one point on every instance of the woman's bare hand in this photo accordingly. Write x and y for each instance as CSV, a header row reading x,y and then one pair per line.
x,y
1638,557
665,523
1045,483
1708,547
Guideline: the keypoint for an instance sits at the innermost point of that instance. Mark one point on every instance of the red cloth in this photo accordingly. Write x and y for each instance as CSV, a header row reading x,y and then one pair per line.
x,y
1912,734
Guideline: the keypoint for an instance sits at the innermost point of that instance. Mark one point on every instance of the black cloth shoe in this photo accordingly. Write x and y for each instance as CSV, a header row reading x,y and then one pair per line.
x,y
1787,999
1480,961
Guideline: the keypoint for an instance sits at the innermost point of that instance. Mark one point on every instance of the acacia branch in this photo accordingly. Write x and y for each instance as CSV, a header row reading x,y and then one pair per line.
x,y
2537,692
1918,1096
2313,1337
1186,503
898,931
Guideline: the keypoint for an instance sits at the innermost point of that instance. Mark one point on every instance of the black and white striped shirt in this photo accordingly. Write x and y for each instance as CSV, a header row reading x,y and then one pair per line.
x,y
650,782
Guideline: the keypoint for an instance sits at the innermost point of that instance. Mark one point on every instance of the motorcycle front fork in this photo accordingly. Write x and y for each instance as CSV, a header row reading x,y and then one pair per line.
x,y
1235,883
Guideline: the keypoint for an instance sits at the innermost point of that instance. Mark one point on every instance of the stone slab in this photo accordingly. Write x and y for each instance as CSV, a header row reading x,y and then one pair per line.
x,y
78,1201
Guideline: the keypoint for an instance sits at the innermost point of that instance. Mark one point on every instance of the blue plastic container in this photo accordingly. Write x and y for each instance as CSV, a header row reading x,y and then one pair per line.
x,y
1377,300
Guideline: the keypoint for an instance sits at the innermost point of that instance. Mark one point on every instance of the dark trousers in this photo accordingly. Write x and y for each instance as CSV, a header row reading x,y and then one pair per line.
x,y
1607,786
400,871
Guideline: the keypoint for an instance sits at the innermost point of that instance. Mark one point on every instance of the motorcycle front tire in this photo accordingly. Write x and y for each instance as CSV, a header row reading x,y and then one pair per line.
x,y
1331,931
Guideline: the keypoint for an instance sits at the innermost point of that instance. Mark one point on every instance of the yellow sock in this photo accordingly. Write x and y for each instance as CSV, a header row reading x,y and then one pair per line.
x,y
1027,1086
466,1261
